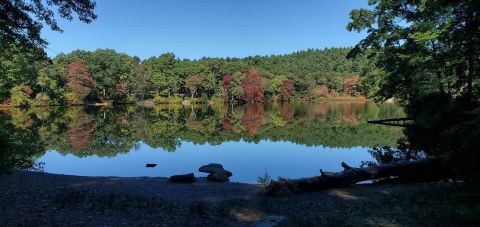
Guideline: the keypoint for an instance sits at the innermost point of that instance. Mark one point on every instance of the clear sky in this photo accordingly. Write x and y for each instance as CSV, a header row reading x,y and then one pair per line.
x,y
213,28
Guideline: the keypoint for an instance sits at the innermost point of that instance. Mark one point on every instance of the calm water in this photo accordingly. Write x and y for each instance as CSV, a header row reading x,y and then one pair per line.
x,y
288,140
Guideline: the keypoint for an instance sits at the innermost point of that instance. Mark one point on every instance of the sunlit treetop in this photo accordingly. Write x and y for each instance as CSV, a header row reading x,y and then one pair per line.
x,y
426,46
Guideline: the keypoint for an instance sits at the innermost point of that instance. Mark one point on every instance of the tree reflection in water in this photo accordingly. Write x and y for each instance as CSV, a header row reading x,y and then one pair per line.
x,y
110,131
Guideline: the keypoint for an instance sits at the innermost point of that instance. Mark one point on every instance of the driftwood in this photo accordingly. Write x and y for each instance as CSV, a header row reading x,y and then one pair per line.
x,y
411,171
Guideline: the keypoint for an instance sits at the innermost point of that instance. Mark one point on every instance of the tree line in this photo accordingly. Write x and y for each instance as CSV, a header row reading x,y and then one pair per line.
x,y
29,78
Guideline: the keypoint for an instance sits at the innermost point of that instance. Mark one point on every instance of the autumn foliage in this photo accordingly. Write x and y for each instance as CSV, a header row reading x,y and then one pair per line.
x,y
320,91
79,79
253,118
227,86
79,131
121,88
27,90
253,86
193,83
350,85
287,89
227,123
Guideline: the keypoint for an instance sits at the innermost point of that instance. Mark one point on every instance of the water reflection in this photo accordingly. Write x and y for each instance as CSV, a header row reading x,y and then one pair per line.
x,y
255,131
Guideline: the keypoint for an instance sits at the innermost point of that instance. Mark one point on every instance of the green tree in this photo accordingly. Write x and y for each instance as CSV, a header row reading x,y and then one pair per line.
x,y
22,20
21,95
210,85
193,84
429,53
424,47
161,73
18,65
273,85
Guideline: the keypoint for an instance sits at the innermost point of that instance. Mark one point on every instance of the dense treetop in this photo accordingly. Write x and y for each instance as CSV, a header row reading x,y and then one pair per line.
x,y
120,78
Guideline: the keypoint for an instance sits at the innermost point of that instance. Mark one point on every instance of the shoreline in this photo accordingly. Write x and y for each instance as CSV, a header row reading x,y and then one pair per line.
x,y
33,198
109,104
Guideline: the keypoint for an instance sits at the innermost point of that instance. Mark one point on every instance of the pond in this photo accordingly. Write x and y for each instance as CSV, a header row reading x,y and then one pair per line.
x,y
288,140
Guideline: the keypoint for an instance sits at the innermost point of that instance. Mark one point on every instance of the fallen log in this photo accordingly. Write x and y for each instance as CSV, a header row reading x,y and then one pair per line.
x,y
430,169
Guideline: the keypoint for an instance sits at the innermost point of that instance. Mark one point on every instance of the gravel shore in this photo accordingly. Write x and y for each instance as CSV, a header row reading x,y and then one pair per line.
x,y
42,199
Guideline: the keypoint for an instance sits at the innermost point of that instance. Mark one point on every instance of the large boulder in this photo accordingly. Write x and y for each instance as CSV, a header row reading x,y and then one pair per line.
x,y
218,177
184,178
214,168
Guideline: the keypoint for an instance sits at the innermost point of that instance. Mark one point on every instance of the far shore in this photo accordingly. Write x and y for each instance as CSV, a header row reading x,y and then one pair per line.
x,y
34,198
140,103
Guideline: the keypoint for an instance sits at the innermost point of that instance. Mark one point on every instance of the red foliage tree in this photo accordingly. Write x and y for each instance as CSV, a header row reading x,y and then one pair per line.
x,y
253,86
227,86
79,79
350,85
320,91
287,89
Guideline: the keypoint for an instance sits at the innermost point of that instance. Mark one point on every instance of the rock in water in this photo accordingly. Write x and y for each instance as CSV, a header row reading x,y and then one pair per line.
x,y
184,178
214,168
218,177
150,165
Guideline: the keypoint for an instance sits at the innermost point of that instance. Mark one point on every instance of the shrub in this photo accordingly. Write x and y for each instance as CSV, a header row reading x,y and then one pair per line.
x,y
320,92
19,95
72,99
175,99
42,99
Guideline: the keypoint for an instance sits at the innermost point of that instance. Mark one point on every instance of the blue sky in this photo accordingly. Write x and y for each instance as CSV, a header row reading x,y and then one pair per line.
x,y
213,28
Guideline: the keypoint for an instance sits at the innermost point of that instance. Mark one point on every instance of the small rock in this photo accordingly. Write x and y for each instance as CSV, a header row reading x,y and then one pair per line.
x,y
218,177
269,221
184,178
185,102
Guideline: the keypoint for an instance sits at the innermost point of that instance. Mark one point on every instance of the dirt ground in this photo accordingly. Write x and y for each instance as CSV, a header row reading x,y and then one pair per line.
x,y
41,199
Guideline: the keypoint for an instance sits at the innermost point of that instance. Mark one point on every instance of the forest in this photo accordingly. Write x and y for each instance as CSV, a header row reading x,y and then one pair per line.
x,y
425,54
29,78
